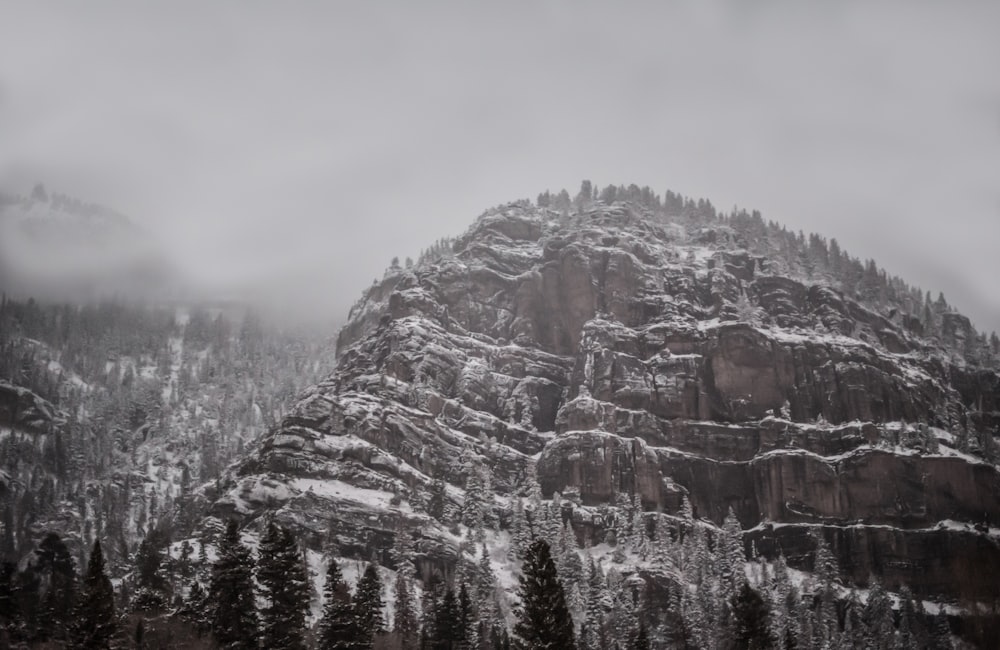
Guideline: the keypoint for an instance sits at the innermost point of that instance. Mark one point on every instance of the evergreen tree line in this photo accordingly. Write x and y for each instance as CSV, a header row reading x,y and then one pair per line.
x,y
66,203
706,597
112,345
236,601
707,594
48,605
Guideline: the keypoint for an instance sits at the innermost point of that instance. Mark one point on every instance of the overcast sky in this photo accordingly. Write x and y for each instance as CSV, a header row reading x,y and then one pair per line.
x,y
317,140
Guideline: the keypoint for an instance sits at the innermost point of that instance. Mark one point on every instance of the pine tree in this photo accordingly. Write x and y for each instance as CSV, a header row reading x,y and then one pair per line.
x,y
624,621
139,636
432,599
696,631
447,633
27,600
783,596
686,512
467,634
638,539
732,558
152,587
852,636
474,505
552,521
285,588
10,611
184,561
571,572
906,638
598,603
543,621
437,500
338,630
663,544
368,607
204,567
234,619
963,440
825,570
877,617
941,634
55,561
94,624
39,193
485,590
518,529
193,610
405,626
585,196
751,619
404,620
824,563
988,447
641,641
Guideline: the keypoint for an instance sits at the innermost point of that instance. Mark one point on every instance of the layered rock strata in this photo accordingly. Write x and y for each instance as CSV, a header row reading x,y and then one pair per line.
x,y
613,351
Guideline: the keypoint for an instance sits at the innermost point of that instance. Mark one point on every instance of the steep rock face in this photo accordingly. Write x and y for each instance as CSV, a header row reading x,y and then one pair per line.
x,y
21,409
615,352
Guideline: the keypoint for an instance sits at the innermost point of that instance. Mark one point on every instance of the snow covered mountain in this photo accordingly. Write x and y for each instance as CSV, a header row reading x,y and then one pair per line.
x,y
651,373
673,398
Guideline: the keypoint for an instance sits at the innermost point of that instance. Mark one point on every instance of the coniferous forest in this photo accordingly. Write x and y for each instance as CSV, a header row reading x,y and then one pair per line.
x,y
176,596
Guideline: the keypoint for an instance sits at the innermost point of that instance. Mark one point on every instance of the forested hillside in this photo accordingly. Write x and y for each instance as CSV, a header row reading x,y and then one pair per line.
x,y
114,415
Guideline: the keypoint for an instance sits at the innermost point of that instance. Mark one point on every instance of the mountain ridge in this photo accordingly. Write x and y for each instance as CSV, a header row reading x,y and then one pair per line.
x,y
609,352
643,382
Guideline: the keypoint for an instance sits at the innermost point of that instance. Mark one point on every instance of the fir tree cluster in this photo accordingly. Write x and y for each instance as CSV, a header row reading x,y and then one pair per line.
x,y
710,593
47,604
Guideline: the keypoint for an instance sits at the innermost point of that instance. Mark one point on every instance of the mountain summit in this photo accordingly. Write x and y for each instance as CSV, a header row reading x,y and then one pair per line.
x,y
623,371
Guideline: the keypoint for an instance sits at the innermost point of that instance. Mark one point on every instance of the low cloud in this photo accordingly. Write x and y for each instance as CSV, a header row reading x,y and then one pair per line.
x,y
267,144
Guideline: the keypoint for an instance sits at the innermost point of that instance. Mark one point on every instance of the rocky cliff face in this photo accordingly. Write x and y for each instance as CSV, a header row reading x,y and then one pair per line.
x,y
614,352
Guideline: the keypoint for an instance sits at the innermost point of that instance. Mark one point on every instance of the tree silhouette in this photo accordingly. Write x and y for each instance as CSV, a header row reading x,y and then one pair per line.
x,y
231,594
543,621
95,622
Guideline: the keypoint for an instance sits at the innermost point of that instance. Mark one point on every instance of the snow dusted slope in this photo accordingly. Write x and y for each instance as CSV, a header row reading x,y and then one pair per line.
x,y
612,352
115,417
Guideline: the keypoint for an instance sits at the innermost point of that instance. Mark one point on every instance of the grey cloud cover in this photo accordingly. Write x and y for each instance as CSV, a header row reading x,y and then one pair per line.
x,y
272,141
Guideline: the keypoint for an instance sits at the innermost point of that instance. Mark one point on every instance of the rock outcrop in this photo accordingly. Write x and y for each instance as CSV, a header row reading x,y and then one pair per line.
x,y
23,410
613,351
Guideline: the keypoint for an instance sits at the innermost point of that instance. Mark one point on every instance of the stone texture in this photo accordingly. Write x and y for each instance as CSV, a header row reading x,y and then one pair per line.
x,y
605,349
21,409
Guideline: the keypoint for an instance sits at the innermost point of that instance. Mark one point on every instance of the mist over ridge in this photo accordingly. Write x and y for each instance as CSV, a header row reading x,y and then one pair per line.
x,y
315,147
